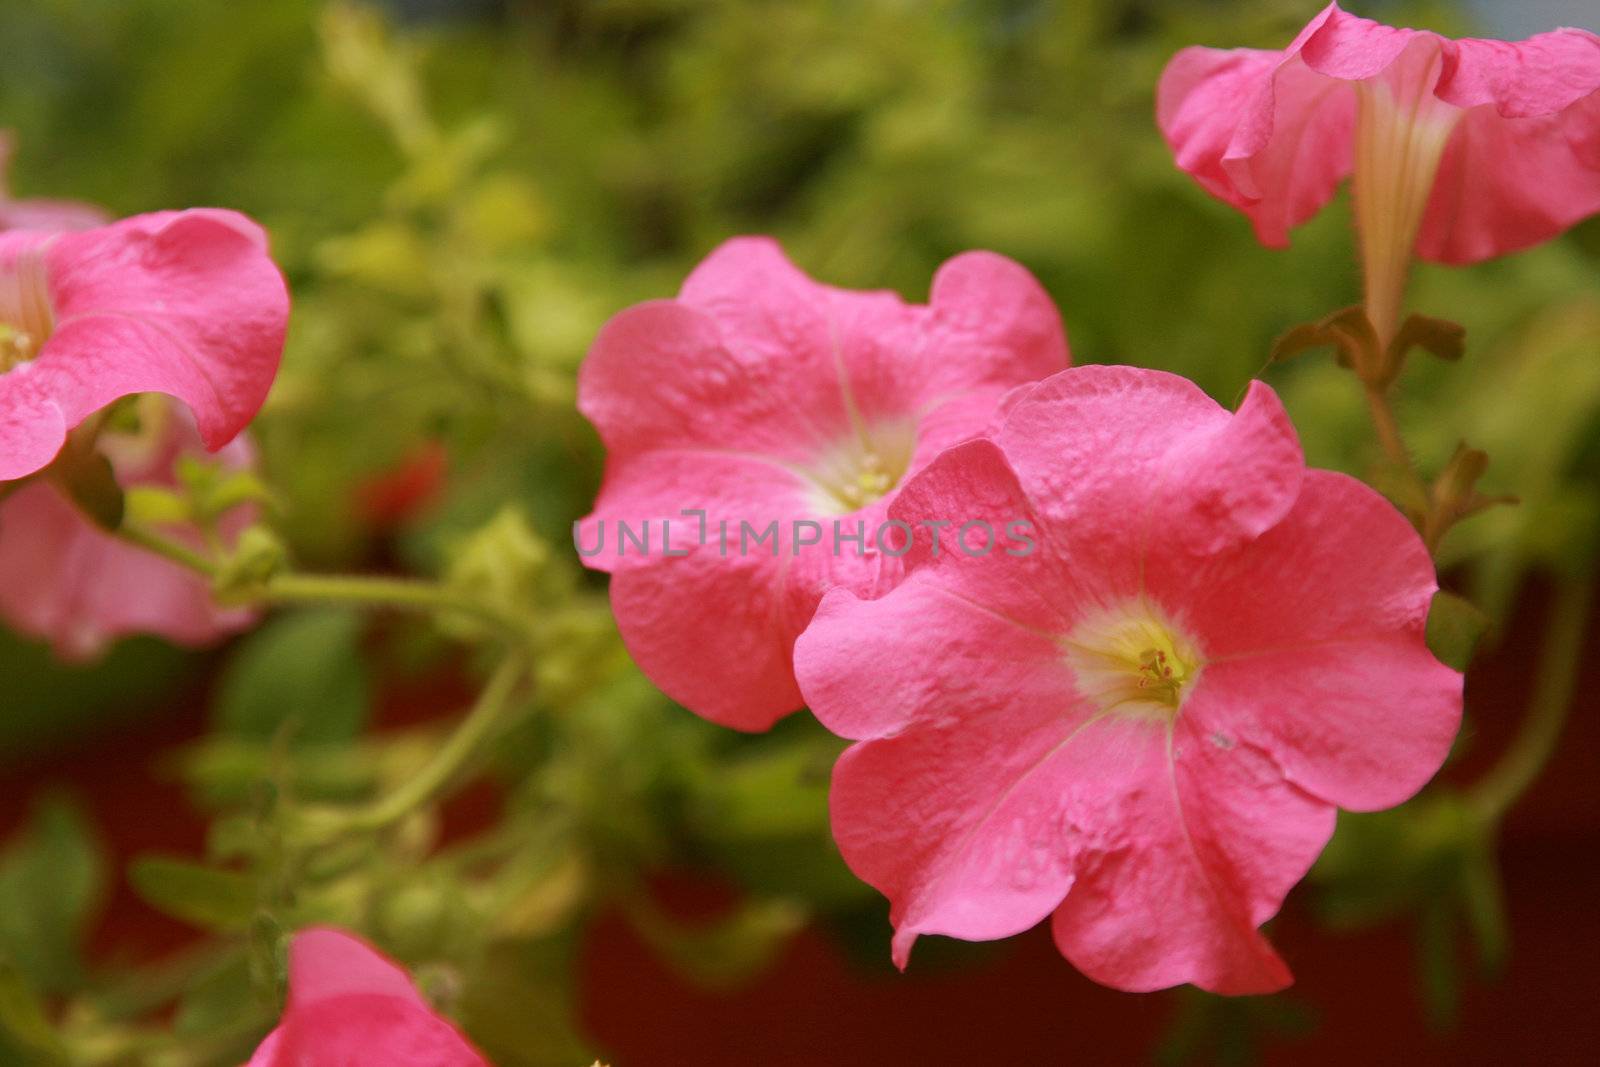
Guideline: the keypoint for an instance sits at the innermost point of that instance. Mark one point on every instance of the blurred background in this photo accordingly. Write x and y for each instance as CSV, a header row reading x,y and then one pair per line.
x,y
461,192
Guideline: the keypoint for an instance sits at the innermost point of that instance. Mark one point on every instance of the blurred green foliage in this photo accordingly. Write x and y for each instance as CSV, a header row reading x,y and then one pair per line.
x,y
459,204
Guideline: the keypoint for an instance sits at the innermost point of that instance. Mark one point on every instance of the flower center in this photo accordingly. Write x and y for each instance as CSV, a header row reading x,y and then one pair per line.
x,y
1133,661
26,318
864,468
1401,132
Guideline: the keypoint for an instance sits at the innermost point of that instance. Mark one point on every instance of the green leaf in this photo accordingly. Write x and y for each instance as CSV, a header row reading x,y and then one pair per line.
x,y
92,485
50,881
1387,863
1439,337
202,896
1348,331
1455,626
23,1018
216,998
229,491
1438,964
1483,899
725,953
1209,1028
1395,482
303,669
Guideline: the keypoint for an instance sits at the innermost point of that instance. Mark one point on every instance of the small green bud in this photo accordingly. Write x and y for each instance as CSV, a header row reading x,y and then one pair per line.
x,y
502,563
156,505
257,557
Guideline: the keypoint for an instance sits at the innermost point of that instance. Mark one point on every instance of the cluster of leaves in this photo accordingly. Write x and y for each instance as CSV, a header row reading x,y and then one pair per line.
x,y
459,205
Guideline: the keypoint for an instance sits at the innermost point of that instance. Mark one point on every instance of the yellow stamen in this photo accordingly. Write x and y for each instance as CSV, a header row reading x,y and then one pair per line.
x,y
1133,661
863,469
26,318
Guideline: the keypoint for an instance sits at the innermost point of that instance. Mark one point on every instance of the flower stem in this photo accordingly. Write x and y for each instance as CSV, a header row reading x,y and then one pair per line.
x,y
323,824
163,546
407,594
1555,688
404,593
319,825
1388,430
1430,524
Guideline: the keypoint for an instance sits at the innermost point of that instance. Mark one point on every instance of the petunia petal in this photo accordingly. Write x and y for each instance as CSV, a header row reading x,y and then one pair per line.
x,y
348,1004
1361,724
758,397
869,667
967,824
969,518
671,500
990,324
325,963
64,579
1315,646
1343,565
363,1029
663,375
1267,136
183,303
1098,447
1227,486
993,774
1507,184
711,632
1197,848
1089,446
825,356
1543,75
1271,133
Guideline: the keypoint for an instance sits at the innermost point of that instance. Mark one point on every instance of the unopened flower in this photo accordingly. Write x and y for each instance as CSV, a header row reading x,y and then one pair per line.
x,y
759,399
186,303
348,1004
1461,149
64,579
1145,725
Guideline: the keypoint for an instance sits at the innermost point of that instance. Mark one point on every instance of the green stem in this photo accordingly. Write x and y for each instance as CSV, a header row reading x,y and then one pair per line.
x,y
1432,520
1555,686
178,553
323,824
408,594
1388,429
403,593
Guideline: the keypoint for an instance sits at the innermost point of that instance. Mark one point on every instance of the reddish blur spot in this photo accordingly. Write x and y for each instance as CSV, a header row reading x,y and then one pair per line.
x,y
402,492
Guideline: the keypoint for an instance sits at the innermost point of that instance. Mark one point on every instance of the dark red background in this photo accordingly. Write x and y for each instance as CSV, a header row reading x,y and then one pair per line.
x,y
1020,1002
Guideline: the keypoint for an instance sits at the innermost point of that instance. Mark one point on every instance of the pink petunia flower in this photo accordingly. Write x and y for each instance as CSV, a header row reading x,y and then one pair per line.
x,y
186,303
40,214
348,1004
1462,149
1143,724
785,414
64,579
